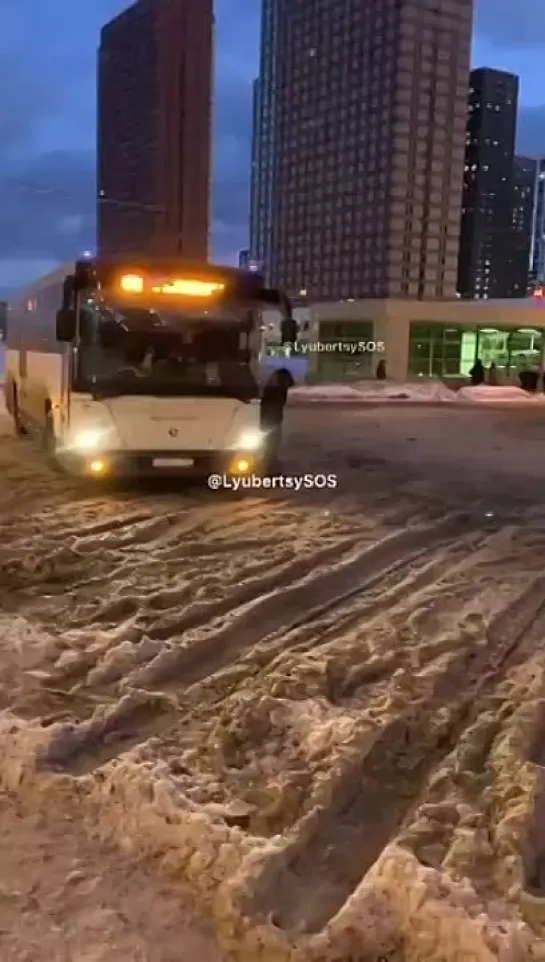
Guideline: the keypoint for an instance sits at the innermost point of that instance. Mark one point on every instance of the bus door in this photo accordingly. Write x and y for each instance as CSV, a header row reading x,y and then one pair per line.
x,y
253,340
66,359
67,365
23,359
25,325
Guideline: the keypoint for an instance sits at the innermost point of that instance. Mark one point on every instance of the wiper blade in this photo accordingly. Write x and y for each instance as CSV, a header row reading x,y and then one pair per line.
x,y
107,395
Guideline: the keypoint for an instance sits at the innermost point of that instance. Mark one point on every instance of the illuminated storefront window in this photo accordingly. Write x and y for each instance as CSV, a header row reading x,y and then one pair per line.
x,y
449,351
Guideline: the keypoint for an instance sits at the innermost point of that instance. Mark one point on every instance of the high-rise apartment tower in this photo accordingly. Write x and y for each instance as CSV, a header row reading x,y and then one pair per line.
x,y
359,143
154,129
524,180
538,225
489,263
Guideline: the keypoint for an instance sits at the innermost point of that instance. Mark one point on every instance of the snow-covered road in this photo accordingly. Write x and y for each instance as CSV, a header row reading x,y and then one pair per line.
x,y
315,706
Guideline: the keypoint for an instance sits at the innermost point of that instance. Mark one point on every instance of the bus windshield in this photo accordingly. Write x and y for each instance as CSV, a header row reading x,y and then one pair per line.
x,y
133,350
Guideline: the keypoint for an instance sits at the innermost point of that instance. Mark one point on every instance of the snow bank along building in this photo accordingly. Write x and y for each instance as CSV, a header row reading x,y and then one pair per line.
x,y
425,339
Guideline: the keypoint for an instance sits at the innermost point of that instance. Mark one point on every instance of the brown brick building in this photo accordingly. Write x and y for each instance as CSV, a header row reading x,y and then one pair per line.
x,y
154,129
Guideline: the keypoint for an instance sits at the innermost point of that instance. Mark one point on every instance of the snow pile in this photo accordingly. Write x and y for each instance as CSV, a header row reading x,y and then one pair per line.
x,y
400,911
409,391
268,757
442,920
420,392
490,394
224,801
373,391
326,392
137,804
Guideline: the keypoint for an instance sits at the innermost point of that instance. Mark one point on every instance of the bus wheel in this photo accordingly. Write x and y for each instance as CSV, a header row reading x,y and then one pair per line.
x,y
20,429
272,448
272,418
49,442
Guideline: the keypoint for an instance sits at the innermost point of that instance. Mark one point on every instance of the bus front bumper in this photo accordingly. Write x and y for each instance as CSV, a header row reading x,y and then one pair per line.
x,y
150,464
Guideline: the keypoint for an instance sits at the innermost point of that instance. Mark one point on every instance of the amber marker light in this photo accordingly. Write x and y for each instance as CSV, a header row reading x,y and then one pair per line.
x,y
132,283
241,466
97,467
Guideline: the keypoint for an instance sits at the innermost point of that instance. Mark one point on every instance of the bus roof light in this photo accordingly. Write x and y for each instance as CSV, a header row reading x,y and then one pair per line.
x,y
132,284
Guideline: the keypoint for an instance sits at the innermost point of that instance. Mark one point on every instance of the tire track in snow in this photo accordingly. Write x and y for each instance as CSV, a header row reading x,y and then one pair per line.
x,y
57,589
160,627
101,555
281,608
284,607
389,593
376,795
82,638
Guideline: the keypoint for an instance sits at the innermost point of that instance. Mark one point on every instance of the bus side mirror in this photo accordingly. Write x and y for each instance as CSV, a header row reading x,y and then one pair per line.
x,y
289,330
66,325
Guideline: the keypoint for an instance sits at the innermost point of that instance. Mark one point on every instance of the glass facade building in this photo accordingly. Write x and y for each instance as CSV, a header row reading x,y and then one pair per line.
x,y
444,351
341,358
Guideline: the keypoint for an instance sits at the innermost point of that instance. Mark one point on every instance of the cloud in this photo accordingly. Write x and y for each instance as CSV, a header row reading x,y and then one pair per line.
x,y
506,25
531,132
47,202
48,211
16,272
26,99
47,208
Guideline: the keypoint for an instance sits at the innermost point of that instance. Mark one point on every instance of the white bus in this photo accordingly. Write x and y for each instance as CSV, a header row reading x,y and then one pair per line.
x,y
147,367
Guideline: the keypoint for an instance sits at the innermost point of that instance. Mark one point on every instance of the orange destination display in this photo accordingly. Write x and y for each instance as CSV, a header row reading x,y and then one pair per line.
x,y
175,287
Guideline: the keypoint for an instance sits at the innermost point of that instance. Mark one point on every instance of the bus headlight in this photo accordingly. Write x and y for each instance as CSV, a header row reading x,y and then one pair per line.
x,y
250,441
88,441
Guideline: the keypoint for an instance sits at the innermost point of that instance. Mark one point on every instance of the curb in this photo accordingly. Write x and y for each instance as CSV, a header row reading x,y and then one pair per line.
x,y
399,402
